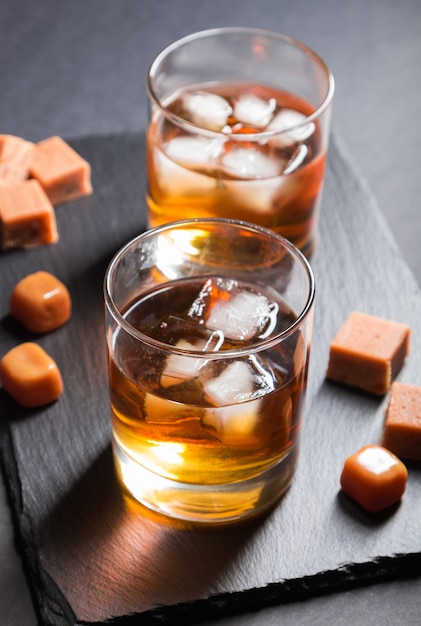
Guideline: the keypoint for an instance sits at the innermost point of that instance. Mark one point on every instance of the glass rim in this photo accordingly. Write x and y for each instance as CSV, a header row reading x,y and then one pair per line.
x,y
267,134
259,346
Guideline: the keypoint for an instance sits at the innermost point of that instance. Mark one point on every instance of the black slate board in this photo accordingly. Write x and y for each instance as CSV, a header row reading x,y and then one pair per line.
x,y
93,556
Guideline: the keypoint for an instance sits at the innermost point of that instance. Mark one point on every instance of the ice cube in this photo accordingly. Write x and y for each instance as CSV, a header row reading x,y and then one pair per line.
x,y
231,391
254,111
184,164
263,376
239,381
287,119
176,179
258,196
239,314
207,110
174,330
194,152
233,385
213,290
235,424
244,316
179,368
249,163
251,423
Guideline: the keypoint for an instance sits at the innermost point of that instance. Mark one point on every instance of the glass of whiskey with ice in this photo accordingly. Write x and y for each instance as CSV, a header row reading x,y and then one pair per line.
x,y
208,328
238,128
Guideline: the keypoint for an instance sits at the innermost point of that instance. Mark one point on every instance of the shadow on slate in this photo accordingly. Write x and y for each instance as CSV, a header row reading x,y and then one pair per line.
x,y
92,555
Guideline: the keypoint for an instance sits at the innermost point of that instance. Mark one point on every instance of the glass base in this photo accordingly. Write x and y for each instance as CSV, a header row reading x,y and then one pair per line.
x,y
205,503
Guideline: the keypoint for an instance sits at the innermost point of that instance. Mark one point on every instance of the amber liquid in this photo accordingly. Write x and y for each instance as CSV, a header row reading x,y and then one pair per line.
x,y
284,198
167,423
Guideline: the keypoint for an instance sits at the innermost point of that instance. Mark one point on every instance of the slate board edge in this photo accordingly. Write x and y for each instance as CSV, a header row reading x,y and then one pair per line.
x,y
349,576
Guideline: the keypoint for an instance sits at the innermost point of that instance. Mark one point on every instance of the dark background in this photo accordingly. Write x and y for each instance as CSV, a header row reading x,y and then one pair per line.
x,y
78,69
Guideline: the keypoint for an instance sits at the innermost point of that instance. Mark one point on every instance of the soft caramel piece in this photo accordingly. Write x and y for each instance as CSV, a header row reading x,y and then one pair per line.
x,y
62,172
374,477
402,429
27,216
30,375
40,302
15,158
368,352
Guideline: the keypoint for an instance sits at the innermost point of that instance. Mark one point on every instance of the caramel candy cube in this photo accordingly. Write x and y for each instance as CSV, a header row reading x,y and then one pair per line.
x,y
402,429
62,172
374,477
368,352
15,158
30,375
27,216
40,302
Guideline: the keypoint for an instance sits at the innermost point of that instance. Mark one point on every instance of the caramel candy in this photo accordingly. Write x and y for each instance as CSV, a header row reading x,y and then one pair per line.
x,y
374,477
15,158
368,352
40,302
402,429
30,375
62,172
27,216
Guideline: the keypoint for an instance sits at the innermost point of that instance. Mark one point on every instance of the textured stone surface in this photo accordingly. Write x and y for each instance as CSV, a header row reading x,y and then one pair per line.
x,y
91,557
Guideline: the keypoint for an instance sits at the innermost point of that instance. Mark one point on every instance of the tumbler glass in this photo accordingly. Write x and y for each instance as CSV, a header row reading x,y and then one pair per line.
x,y
238,128
209,328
